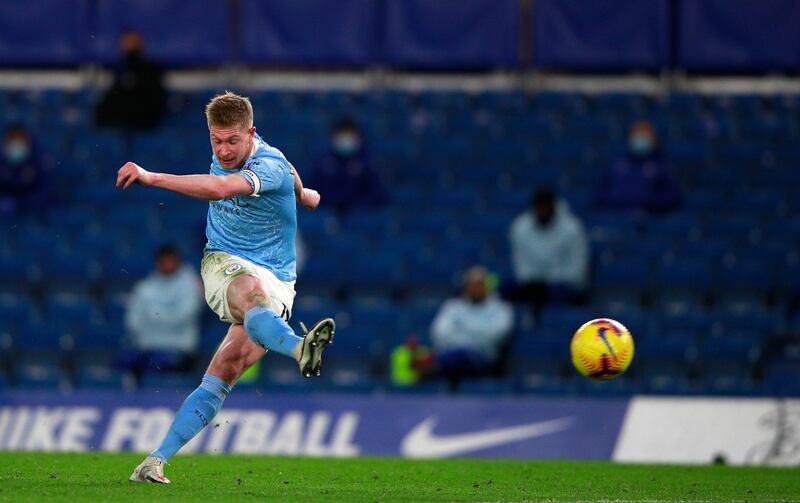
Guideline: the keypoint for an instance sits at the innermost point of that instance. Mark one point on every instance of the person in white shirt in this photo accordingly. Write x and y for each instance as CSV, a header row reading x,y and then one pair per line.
x,y
549,253
163,317
469,331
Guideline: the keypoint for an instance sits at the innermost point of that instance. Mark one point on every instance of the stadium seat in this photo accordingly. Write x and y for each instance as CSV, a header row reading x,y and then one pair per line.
x,y
99,377
177,384
682,279
41,376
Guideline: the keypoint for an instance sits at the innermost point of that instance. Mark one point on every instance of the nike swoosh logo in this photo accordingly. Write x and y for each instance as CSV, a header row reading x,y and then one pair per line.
x,y
422,442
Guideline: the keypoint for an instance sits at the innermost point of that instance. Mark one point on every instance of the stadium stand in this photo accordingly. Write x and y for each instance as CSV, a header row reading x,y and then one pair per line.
x,y
705,290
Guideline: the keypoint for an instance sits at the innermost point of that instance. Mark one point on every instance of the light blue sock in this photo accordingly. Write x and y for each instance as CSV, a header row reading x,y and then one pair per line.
x,y
195,413
270,331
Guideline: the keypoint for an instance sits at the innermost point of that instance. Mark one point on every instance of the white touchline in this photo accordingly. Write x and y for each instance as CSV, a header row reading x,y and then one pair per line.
x,y
422,442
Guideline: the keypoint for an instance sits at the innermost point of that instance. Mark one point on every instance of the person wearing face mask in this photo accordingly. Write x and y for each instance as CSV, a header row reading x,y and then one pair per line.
x,y
469,331
345,172
21,173
549,254
642,179
137,98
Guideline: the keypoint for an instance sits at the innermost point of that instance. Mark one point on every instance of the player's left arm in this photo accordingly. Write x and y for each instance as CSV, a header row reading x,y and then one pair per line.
x,y
307,197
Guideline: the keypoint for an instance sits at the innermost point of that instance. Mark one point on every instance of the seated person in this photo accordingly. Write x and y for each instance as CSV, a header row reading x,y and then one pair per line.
x,y
469,331
642,179
549,254
22,174
345,174
163,317
408,362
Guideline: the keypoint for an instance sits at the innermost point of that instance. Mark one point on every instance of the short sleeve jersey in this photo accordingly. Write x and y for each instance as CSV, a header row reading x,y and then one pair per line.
x,y
259,227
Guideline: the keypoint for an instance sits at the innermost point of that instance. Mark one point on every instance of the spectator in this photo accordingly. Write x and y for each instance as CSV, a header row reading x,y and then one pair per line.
x,y
642,179
163,317
408,361
345,174
22,186
549,253
469,332
136,99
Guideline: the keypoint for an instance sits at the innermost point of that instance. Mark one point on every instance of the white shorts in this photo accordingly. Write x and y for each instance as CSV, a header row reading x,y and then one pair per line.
x,y
219,269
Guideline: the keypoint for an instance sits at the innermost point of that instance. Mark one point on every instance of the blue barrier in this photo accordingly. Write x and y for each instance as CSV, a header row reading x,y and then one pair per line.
x,y
309,32
174,33
607,35
613,35
47,32
451,33
739,35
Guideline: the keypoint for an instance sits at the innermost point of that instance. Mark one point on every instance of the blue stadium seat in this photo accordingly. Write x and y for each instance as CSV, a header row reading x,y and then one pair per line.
x,y
99,377
751,323
627,277
282,374
705,201
782,378
733,348
673,227
377,272
41,337
16,310
101,337
351,375
41,376
565,320
688,319
621,387
547,384
177,384
684,279
745,279
71,310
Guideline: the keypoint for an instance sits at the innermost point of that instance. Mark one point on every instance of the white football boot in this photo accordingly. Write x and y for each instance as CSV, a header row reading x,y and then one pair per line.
x,y
315,341
151,470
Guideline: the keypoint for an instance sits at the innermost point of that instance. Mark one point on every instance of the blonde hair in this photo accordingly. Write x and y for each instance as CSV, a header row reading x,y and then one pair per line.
x,y
229,109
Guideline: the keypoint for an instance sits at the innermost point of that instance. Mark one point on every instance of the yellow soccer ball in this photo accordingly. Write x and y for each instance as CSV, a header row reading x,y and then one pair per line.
x,y
602,349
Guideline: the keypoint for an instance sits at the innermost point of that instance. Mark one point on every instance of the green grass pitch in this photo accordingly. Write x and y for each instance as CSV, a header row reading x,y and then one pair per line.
x,y
100,477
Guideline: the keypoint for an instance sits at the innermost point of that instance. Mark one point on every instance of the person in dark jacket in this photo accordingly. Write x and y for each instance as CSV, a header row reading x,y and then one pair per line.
x,y
137,99
345,174
643,179
22,173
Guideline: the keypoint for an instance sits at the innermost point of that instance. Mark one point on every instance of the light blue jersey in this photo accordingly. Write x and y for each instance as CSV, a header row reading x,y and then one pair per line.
x,y
260,227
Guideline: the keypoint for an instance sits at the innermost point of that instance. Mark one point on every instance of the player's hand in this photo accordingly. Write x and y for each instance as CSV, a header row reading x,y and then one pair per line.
x,y
310,199
132,173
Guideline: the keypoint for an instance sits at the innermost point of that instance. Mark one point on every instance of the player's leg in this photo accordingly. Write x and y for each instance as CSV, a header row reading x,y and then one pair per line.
x,y
235,355
249,301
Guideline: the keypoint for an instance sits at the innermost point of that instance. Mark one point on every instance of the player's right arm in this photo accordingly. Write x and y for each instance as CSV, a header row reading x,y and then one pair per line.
x,y
207,187
307,197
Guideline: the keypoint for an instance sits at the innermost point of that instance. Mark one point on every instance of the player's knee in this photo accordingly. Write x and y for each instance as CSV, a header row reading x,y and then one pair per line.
x,y
246,293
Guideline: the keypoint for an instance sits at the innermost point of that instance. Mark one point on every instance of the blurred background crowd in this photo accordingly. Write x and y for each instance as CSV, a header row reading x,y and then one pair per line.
x,y
466,230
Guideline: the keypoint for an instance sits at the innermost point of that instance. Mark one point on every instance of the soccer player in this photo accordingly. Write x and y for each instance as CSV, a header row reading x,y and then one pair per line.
x,y
248,267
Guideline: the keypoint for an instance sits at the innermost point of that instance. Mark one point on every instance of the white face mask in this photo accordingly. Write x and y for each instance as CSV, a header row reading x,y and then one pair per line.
x,y
346,144
17,151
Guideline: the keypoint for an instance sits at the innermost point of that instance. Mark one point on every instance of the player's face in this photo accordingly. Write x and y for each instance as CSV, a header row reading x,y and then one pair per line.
x,y
231,144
